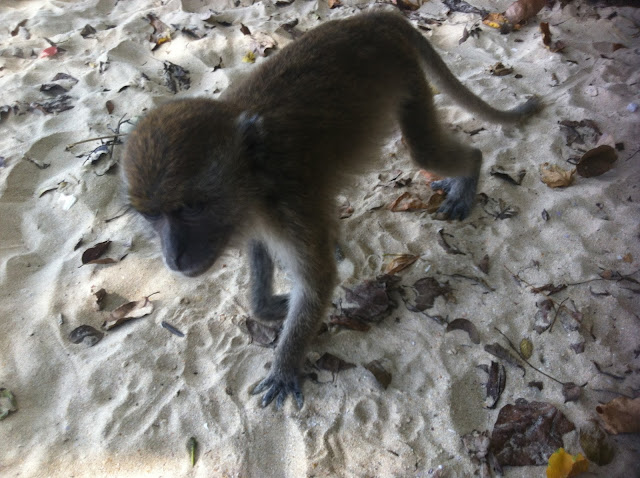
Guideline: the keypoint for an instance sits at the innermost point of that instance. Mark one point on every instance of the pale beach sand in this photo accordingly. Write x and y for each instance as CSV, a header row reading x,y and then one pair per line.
x,y
127,406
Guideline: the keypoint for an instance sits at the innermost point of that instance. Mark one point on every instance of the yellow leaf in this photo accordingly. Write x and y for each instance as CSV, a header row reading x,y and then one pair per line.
x,y
563,465
495,20
554,176
250,57
399,263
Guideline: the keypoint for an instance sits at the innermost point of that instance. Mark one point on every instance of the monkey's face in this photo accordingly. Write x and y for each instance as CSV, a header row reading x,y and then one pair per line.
x,y
181,171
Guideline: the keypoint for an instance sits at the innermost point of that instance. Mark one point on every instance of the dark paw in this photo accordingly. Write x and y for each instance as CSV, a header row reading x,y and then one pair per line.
x,y
279,388
460,192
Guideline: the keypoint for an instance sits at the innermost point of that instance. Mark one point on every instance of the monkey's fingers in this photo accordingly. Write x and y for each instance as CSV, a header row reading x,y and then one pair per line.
x,y
460,196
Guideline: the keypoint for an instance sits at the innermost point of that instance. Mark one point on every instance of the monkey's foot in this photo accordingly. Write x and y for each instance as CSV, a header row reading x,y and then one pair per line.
x,y
461,192
279,386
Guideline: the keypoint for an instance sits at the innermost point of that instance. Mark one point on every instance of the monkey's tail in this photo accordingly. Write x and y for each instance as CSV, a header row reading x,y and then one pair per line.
x,y
447,82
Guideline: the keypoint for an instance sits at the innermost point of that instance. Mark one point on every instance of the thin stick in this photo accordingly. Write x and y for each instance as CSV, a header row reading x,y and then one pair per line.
x,y
112,136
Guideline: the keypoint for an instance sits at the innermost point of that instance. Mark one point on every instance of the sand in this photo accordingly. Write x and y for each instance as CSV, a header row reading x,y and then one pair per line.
x,y
127,406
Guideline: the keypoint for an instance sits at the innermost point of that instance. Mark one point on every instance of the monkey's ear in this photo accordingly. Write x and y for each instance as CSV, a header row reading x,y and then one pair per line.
x,y
250,133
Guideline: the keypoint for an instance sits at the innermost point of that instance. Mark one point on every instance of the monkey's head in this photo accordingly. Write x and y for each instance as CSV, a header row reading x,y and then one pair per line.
x,y
183,170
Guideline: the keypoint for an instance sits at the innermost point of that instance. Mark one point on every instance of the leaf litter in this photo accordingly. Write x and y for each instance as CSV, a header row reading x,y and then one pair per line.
x,y
128,311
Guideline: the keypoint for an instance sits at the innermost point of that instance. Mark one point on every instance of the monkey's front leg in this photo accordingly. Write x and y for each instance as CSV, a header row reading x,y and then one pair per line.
x,y
313,279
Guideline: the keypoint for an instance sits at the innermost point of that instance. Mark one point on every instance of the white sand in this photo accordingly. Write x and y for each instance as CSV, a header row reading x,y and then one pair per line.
x,y
127,406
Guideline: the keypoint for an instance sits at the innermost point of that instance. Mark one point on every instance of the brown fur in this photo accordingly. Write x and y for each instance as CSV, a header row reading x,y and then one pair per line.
x,y
269,156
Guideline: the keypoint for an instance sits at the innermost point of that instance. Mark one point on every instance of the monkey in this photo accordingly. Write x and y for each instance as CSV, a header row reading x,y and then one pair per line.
x,y
265,161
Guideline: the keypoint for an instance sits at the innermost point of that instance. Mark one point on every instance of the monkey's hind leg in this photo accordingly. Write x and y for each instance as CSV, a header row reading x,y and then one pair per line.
x,y
436,151
265,305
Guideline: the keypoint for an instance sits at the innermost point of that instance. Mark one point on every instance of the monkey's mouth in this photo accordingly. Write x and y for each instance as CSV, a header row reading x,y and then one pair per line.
x,y
191,268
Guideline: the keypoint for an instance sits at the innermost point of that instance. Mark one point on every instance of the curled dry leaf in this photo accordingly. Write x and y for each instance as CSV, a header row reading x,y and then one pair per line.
x,y
333,364
175,77
94,253
110,106
448,248
87,31
499,351
523,10
495,384
128,311
8,403
435,201
556,177
261,44
511,177
563,465
571,392
427,290
379,372
334,3
527,433
596,161
467,326
407,202
544,316
399,262
262,334
100,296
85,334
621,415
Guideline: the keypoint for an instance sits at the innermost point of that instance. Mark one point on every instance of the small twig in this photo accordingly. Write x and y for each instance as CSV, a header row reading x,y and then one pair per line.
x,y
525,360
557,312
112,136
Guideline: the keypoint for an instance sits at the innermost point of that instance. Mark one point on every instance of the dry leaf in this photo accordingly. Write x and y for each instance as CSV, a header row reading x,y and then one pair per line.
x,y
430,177
262,334
350,323
261,43
406,4
554,47
526,348
563,465
128,311
379,372
399,262
94,253
333,364
496,20
596,161
334,3
407,202
556,177
8,403
500,70
628,258
250,57
467,326
596,445
371,299
161,32
523,10
621,415
85,334
110,106
495,384
526,433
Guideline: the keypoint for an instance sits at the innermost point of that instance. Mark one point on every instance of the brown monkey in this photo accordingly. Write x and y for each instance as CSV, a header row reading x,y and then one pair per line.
x,y
268,157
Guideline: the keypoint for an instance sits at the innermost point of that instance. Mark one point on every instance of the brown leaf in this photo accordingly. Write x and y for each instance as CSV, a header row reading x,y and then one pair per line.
x,y
87,31
427,290
596,161
621,415
406,4
523,10
467,326
556,177
128,311
334,3
379,372
399,262
15,31
262,334
333,364
110,106
95,252
161,32
554,47
500,70
244,30
85,334
350,323
407,202
628,258
100,296
435,201
550,288
596,445
371,299
527,433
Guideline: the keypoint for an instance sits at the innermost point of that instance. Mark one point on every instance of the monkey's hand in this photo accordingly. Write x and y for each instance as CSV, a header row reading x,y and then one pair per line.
x,y
461,192
278,385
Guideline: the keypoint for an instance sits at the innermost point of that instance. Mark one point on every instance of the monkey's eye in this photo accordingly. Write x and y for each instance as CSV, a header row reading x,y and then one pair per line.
x,y
192,210
151,216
